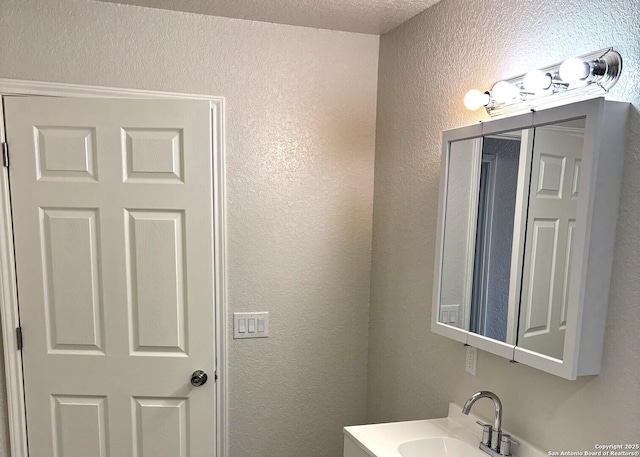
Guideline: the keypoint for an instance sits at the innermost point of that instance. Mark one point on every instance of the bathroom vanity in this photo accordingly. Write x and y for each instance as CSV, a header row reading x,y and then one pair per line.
x,y
456,435
526,228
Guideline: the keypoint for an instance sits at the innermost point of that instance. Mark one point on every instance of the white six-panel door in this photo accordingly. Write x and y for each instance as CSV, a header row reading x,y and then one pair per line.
x,y
551,222
113,227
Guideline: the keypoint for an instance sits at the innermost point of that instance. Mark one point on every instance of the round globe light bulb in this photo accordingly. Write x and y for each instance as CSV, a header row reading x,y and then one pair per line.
x,y
474,99
503,91
573,70
536,81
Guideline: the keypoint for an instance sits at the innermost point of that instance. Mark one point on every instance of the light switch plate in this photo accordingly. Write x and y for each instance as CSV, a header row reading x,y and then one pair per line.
x,y
450,314
251,325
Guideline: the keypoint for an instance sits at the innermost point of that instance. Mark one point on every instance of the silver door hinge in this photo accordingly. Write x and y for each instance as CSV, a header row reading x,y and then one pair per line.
x,y
5,154
19,337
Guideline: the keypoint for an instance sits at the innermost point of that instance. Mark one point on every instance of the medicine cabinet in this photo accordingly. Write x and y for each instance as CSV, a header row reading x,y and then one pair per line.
x,y
526,229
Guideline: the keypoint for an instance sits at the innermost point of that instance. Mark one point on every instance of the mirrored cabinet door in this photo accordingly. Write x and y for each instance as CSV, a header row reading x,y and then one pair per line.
x,y
526,205
498,185
551,222
457,210
459,235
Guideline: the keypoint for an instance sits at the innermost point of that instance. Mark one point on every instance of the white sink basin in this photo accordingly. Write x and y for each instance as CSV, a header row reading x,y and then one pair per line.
x,y
456,435
438,447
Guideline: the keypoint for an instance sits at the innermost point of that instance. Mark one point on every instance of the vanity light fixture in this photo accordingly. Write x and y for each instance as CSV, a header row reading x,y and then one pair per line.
x,y
537,81
573,70
503,92
474,99
576,78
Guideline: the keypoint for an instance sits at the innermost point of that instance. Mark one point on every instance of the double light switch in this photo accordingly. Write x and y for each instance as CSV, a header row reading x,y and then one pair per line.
x,y
250,325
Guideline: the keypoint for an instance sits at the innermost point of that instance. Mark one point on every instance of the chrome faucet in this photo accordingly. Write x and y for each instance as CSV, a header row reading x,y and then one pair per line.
x,y
494,442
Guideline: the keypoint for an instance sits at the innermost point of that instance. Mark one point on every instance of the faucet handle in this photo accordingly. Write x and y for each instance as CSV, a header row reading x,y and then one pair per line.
x,y
505,444
486,433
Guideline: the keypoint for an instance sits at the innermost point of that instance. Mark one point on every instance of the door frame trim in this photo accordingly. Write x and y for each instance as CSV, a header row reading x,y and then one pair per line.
x,y
8,293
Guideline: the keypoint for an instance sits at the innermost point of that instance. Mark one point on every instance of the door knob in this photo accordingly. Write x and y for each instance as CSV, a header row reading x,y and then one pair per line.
x,y
198,378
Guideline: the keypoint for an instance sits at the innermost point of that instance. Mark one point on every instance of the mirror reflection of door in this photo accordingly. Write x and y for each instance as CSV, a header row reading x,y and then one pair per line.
x,y
552,209
494,235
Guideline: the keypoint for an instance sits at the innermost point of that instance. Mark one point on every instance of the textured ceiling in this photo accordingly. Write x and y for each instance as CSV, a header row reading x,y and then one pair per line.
x,y
364,16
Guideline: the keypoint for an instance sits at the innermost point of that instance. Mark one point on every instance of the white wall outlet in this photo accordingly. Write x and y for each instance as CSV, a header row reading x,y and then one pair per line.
x,y
470,361
250,325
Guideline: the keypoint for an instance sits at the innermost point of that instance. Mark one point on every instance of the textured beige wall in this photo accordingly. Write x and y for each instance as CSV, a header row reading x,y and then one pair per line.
x,y
300,128
426,66
300,120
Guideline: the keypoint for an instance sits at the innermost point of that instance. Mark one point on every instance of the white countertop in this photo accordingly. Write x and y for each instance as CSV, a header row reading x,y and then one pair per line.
x,y
382,440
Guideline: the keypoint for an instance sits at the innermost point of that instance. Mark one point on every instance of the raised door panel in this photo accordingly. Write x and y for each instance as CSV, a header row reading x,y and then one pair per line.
x,y
551,176
153,155
161,427
66,153
538,301
156,281
80,426
71,269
